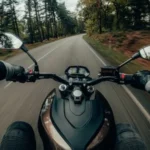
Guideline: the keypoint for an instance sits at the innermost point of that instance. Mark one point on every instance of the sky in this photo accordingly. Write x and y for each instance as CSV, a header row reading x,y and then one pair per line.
x,y
70,4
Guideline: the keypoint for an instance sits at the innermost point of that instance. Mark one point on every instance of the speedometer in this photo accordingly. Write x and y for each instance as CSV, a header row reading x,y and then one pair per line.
x,y
72,71
83,71
77,72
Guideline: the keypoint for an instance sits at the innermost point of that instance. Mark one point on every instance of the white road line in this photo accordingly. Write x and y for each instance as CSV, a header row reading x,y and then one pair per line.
x,y
37,61
8,85
135,100
146,114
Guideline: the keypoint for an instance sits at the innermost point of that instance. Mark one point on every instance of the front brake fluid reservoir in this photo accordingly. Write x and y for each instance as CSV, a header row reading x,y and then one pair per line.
x,y
63,90
62,87
90,89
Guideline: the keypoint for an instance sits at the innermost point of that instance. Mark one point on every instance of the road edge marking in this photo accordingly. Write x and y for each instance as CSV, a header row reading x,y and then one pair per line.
x,y
142,109
135,100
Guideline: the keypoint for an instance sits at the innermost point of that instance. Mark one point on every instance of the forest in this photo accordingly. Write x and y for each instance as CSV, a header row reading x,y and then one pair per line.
x,y
115,15
39,21
117,28
46,19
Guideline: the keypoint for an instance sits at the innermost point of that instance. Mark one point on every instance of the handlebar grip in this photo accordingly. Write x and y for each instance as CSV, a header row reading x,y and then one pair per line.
x,y
3,71
11,72
127,78
147,86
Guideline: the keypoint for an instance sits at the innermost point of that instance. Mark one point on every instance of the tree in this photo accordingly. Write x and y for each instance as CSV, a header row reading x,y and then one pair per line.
x,y
139,10
47,21
67,19
28,16
92,16
54,9
107,15
80,18
8,16
42,20
36,9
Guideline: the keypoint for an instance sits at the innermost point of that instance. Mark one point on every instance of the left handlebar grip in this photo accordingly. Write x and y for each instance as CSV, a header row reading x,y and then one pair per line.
x,y
12,72
3,71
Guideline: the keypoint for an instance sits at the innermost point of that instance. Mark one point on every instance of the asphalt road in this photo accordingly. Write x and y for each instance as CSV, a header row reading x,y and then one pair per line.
x,y
22,102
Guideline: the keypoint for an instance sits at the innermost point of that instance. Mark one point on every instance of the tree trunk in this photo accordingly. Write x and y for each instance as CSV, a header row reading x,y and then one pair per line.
x,y
37,20
13,17
15,22
100,16
117,15
41,27
30,26
2,16
46,22
55,25
51,29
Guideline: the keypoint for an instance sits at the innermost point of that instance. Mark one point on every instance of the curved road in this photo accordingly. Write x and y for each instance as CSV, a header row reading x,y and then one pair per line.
x,y
23,101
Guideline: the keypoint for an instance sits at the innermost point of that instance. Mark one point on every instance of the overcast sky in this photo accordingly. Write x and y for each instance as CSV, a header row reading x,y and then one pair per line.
x,y
70,4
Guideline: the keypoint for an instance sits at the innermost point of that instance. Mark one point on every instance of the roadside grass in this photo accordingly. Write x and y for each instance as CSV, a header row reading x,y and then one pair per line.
x,y
5,54
114,57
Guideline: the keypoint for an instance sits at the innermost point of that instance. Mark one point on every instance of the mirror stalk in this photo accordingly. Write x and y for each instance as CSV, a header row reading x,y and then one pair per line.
x,y
135,56
36,67
123,64
23,47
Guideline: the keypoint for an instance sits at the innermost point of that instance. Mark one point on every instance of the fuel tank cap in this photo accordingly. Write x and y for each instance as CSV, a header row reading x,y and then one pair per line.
x,y
77,96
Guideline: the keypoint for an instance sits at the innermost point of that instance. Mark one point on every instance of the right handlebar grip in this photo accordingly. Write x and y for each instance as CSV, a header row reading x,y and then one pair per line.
x,y
127,78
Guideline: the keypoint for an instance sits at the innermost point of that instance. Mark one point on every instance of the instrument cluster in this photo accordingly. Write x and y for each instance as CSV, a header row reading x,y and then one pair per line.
x,y
77,72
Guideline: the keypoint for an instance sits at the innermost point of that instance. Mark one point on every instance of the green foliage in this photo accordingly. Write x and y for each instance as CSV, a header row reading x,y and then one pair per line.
x,y
67,19
108,15
90,27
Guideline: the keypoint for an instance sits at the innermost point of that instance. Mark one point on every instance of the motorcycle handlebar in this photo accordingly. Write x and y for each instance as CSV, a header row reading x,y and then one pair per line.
x,y
127,78
87,83
52,76
17,73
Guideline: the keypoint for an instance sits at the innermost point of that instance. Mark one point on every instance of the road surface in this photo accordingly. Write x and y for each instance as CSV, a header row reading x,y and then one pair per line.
x,y
23,101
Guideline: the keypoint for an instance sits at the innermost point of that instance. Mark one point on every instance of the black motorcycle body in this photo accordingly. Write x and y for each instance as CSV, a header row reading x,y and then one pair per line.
x,y
66,124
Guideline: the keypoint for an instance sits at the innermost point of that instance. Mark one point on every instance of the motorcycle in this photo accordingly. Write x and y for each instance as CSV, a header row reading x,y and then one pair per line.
x,y
74,120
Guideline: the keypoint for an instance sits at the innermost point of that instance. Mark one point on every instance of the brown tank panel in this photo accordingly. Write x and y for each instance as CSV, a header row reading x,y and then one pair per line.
x,y
54,136
103,132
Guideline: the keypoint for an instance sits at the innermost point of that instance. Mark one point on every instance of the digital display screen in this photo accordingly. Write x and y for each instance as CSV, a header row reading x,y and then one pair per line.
x,y
82,71
77,71
72,71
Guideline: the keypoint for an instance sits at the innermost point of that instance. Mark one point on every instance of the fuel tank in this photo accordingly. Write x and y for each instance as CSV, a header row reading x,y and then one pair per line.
x,y
64,125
